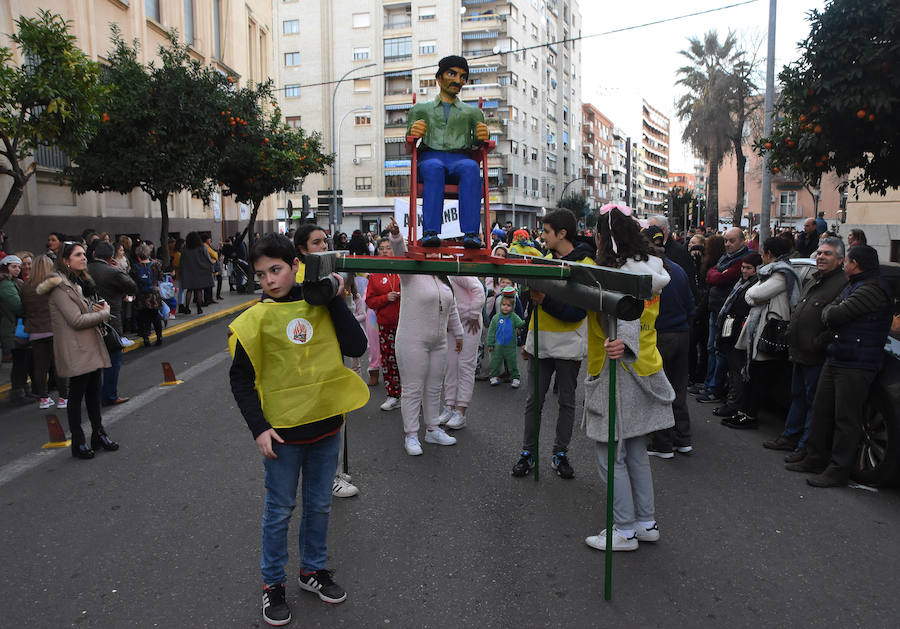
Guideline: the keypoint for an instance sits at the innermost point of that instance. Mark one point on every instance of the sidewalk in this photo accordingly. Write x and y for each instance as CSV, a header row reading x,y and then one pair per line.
x,y
231,303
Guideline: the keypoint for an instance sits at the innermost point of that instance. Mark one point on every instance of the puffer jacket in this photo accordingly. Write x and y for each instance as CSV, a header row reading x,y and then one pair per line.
x,y
808,335
78,346
10,310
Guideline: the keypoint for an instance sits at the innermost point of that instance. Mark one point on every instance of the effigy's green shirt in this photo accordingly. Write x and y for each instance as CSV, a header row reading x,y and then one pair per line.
x,y
454,134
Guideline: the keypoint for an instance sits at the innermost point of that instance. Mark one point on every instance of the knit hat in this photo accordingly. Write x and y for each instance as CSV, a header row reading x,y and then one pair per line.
x,y
452,61
521,234
508,291
10,259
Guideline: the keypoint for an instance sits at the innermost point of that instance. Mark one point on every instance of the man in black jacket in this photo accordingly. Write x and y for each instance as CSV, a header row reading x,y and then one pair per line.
x,y
859,319
675,251
808,240
113,284
808,340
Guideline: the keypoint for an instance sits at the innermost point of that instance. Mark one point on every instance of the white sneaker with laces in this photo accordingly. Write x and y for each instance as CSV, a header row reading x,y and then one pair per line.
x,y
62,403
619,541
412,445
439,437
645,534
495,381
46,402
515,383
126,342
457,420
390,404
444,417
343,488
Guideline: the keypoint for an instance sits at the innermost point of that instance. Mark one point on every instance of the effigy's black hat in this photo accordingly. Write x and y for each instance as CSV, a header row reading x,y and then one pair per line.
x,y
452,61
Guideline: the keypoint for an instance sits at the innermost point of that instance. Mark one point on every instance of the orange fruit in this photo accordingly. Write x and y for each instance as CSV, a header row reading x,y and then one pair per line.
x,y
776,170
871,117
768,145
817,129
861,113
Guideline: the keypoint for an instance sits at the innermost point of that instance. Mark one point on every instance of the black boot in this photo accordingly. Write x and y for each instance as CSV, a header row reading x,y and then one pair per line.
x,y
81,451
199,310
101,440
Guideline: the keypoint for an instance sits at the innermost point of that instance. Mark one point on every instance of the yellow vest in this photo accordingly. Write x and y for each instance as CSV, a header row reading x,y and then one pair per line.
x,y
300,373
649,360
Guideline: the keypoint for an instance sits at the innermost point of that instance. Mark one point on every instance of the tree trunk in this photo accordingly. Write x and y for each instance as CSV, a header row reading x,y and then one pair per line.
x,y
162,251
16,191
741,162
248,230
712,203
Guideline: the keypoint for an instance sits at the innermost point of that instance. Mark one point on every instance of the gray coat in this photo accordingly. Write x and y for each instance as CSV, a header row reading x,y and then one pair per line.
x,y
643,403
195,269
112,284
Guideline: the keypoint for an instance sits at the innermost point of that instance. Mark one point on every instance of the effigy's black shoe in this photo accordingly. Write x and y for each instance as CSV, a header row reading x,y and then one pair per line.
x,y
431,239
472,241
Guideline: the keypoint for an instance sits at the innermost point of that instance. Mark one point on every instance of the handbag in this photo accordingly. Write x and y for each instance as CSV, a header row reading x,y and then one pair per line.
x,y
774,337
111,337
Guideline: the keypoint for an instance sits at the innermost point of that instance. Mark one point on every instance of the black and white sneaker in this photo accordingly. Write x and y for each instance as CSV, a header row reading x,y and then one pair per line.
x,y
523,465
321,583
560,464
275,609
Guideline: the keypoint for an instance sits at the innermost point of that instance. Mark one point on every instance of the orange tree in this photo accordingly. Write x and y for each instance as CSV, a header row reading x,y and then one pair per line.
x,y
262,156
160,130
840,101
52,98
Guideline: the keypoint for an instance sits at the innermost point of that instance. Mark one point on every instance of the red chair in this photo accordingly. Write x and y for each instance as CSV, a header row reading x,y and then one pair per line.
x,y
451,191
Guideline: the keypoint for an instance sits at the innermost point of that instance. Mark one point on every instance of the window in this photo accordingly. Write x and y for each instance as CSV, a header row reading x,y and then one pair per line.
x,y
534,153
290,27
293,122
363,119
534,30
397,49
427,13
534,181
787,203
534,123
362,85
292,91
363,183
396,185
533,62
291,58
361,20
397,150
427,82
152,9
428,47
362,151
361,54
188,21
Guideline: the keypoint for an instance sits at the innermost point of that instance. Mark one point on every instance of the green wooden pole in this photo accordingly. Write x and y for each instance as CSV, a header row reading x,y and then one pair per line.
x,y
537,396
611,332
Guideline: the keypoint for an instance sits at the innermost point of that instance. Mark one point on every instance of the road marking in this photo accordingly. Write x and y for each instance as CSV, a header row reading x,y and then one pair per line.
x,y
14,469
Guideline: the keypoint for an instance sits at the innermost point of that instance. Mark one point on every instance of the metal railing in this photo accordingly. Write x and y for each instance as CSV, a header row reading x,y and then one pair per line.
x,y
51,157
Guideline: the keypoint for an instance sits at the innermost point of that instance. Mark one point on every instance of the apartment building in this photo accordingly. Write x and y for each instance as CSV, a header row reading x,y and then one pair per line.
x,y
235,38
625,168
352,69
654,154
685,181
597,155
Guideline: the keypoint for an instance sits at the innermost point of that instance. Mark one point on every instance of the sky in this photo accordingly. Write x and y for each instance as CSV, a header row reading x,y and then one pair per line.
x,y
621,68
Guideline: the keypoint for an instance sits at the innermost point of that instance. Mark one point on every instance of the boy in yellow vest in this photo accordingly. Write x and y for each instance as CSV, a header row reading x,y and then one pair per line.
x,y
290,383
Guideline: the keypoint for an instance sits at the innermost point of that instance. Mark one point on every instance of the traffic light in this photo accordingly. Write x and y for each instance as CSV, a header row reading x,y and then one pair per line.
x,y
307,213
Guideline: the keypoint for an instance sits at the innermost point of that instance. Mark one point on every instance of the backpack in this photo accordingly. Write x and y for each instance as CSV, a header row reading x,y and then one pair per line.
x,y
144,273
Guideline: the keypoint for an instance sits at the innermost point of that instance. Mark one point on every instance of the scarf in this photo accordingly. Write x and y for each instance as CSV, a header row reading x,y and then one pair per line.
x,y
727,259
726,307
783,266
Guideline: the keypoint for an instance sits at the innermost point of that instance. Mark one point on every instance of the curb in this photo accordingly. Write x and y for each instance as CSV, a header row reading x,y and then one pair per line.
x,y
178,328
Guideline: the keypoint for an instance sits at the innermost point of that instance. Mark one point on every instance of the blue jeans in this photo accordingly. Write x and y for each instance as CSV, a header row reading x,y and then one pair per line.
x,y
109,391
804,380
716,364
317,462
434,167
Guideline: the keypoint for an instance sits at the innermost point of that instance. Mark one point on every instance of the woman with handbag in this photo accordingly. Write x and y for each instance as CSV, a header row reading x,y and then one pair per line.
x,y
763,338
78,348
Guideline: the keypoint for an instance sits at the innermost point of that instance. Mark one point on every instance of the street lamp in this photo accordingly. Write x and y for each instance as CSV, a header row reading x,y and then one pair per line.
x,y
339,143
566,187
334,212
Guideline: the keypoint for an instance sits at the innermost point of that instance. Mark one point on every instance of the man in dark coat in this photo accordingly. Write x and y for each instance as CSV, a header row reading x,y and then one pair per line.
x,y
860,319
808,340
675,251
113,284
808,241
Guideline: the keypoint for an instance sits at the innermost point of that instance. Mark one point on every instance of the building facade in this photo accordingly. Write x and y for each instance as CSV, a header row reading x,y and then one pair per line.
x,y
597,154
351,69
235,38
654,159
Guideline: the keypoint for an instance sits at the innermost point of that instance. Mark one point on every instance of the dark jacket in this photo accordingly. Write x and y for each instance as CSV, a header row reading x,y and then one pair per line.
x,y
721,279
806,244
10,309
37,311
739,310
112,285
678,253
561,310
353,343
676,303
808,336
860,319
195,269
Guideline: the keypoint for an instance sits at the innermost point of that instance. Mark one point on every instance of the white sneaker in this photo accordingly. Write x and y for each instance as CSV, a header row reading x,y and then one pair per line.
x,y
457,420
619,541
343,488
439,437
495,381
345,476
126,342
515,383
61,403
46,402
444,417
390,404
647,535
412,445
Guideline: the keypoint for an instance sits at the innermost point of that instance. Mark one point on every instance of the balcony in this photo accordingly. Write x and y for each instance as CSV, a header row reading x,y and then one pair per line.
x,y
491,22
397,24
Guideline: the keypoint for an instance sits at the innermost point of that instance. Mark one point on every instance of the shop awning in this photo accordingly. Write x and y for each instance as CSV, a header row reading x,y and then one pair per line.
x,y
481,35
398,107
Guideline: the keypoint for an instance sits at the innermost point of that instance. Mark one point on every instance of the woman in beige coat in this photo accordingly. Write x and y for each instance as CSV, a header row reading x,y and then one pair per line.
x,y
78,348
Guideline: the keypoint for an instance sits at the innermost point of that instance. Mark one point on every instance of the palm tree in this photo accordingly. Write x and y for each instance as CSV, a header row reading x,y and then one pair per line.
x,y
704,107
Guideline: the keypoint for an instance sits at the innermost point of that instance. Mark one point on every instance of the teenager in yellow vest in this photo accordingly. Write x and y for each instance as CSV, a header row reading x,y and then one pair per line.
x,y
289,381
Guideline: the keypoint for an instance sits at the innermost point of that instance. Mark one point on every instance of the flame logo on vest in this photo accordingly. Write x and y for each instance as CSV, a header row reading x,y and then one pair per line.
x,y
299,331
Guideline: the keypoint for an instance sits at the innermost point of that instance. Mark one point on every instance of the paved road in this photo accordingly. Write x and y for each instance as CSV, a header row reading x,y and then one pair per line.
x,y
165,532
